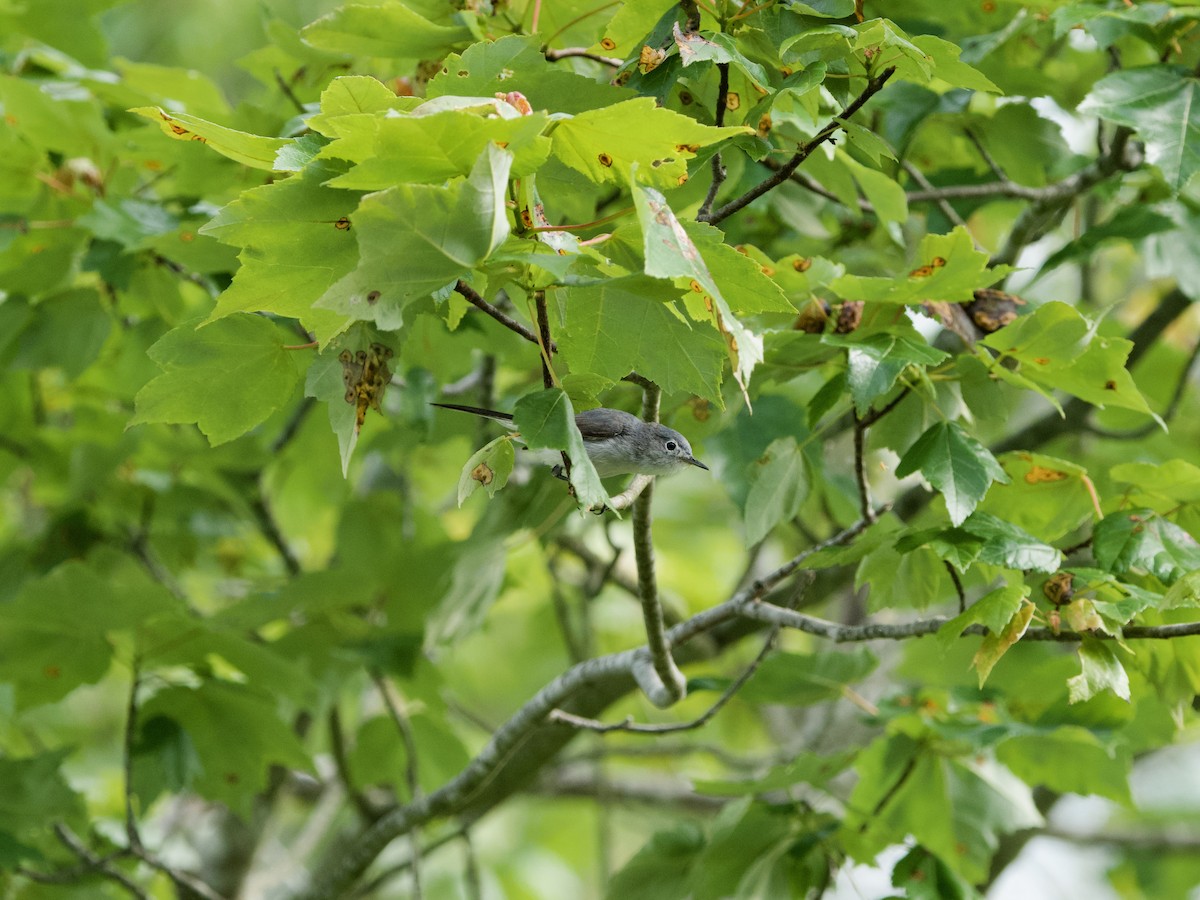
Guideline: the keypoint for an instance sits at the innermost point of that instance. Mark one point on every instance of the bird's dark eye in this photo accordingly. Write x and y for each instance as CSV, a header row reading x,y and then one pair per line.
x,y
672,446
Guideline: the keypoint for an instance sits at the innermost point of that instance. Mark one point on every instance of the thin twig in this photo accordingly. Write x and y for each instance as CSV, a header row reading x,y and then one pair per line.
x,y
131,718
860,469
472,882
368,888
987,157
947,210
341,762
270,528
472,297
958,585
874,85
718,170
543,339
628,725
567,52
292,427
411,771
288,92
94,863
874,415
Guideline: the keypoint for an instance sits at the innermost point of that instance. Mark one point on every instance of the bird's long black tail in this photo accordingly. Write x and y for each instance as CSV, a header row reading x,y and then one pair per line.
x,y
477,411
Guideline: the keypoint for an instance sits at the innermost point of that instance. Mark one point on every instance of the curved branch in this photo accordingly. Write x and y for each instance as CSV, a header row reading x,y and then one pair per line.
x,y
520,746
496,772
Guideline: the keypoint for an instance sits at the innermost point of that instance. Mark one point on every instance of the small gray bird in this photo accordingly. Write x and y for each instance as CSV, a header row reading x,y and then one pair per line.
x,y
617,442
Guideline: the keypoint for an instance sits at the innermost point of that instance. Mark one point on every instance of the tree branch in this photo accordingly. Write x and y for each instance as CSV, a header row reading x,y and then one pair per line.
x,y
655,670
874,85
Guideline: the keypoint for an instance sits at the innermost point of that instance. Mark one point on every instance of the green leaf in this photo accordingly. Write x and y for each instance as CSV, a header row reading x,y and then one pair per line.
x,y
955,464
488,467
1141,539
1099,376
913,579
429,149
716,47
875,363
778,488
740,839
349,95
389,29
670,253
949,68
607,144
1051,337
1101,671
948,267
805,679
1044,495
954,809
994,611
1159,102
884,193
744,282
956,546
225,377
1011,547
56,632
1068,759
631,323
546,419
67,330
416,239
234,771
659,871
1171,482
252,150
997,643
923,876
1132,225
516,63
36,792
296,238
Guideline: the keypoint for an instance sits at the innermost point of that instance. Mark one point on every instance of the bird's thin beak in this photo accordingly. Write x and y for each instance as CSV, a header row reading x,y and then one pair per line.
x,y
697,463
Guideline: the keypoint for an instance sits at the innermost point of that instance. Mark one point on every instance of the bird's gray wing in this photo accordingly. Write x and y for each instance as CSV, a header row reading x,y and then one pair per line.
x,y
599,424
